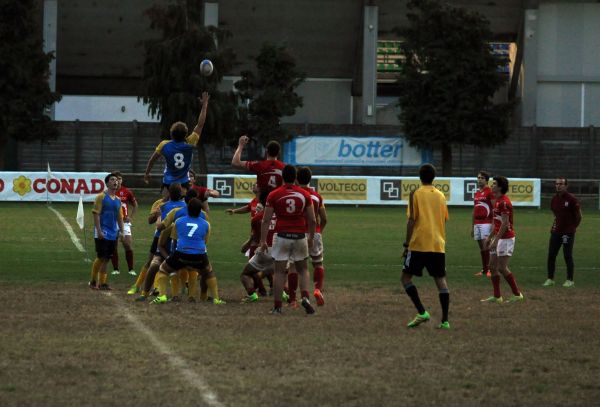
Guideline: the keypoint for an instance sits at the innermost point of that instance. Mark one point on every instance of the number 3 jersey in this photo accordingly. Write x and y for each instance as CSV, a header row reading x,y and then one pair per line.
x,y
288,203
178,158
268,173
191,234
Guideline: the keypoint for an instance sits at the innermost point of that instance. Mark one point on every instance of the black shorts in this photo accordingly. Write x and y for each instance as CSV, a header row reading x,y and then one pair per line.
x,y
435,263
179,260
105,248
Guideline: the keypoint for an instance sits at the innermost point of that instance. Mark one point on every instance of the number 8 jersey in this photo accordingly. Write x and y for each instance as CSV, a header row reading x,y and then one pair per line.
x,y
178,158
288,203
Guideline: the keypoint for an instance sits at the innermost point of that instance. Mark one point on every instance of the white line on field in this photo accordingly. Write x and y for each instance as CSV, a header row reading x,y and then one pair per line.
x,y
177,362
70,231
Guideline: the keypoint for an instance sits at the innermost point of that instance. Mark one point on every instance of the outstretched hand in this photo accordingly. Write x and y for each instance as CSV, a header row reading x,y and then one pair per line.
x,y
204,98
243,140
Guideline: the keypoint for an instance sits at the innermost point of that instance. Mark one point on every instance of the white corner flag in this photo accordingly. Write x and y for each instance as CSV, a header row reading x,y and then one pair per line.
x,y
80,219
50,175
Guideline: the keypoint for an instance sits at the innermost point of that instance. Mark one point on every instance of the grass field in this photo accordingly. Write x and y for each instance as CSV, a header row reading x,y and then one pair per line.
x,y
64,344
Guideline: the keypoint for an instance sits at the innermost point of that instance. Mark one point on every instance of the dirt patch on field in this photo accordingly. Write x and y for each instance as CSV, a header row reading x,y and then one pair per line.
x,y
63,344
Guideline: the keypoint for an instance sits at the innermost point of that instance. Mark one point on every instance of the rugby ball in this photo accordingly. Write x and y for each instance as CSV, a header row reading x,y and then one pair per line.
x,y
206,67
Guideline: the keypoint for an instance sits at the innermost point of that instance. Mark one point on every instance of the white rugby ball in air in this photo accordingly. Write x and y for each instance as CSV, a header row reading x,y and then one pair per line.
x,y
206,67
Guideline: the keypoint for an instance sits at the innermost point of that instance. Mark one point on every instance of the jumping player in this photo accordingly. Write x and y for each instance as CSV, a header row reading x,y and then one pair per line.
x,y
178,151
268,171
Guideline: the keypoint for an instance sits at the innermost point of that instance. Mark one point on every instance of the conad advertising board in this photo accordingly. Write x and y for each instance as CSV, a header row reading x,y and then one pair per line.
x,y
53,187
357,190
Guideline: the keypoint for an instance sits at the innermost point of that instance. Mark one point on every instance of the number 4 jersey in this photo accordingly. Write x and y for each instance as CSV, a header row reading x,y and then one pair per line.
x,y
268,173
288,202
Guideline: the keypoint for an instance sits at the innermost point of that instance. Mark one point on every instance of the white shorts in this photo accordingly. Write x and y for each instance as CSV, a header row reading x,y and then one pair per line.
x,y
505,247
261,261
316,251
289,249
482,231
126,229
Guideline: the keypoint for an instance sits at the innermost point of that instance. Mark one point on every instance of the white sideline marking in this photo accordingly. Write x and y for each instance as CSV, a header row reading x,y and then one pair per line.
x,y
70,231
177,362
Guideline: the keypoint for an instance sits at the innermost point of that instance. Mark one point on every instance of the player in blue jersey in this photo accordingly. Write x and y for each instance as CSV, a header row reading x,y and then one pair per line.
x,y
108,223
190,235
175,201
178,151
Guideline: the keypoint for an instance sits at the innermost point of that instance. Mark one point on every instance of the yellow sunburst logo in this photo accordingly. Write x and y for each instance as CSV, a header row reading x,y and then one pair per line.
x,y
22,185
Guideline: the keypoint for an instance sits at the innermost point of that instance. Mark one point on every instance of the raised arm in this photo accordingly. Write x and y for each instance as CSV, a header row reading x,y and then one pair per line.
x,y
202,116
236,161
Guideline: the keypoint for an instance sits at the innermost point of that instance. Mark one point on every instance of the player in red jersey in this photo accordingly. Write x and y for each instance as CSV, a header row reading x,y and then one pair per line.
x,y
129,205
293,207
567,217
261,263
316,251
502,243
251,206
203,192
482,219
268,171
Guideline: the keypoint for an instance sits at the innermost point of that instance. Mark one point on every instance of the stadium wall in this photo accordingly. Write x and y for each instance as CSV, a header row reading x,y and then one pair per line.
x,y
531,152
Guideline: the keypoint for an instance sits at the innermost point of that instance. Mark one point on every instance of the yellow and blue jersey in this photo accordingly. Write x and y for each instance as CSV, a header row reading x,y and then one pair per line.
x,y
191,235
167,207
109,210
178,158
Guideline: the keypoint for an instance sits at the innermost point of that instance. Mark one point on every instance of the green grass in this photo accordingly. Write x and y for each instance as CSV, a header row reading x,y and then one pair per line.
x,y
362,245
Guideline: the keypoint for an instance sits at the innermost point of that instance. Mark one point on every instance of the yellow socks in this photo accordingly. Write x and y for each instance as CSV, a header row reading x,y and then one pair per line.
x,y
103,277
211,282
142,276
95,269
175,285
184,276
193,284
161,281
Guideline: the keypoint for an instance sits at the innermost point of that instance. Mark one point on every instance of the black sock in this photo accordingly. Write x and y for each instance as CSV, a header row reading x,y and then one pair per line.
x,y
412,292
445,303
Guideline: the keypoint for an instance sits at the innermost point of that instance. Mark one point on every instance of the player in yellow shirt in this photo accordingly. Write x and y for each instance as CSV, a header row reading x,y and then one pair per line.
x,y
425,244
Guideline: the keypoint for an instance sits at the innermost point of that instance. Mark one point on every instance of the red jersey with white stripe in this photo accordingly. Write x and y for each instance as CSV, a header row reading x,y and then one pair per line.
x,y
288,203
126,197
483,210
252,206
268,173
317,201
503,206
201,191
256,226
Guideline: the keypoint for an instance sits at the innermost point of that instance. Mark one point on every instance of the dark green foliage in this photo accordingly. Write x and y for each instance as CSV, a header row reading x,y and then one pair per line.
x,y
24,73
449,77
271,91
172,79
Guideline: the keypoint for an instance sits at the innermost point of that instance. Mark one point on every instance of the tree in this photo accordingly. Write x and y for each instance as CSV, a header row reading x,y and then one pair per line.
x,y
448,78
270,93
172,79
24,73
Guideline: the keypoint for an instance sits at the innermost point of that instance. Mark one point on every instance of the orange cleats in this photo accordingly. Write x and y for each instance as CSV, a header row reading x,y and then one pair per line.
x,y
319,297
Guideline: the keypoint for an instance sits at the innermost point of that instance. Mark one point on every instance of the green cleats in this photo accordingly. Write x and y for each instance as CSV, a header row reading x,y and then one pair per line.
x,y
285,297
444,325
250,298
548,283
217,301
160,299
419,319
516,298
492,299
133,290
569,284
